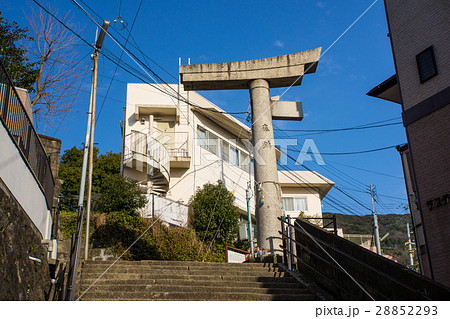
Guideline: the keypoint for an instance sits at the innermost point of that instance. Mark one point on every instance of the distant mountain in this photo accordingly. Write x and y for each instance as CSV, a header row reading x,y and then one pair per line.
x,y
394,224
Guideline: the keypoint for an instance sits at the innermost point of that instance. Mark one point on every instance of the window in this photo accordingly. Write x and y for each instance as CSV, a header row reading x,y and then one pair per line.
x,y
426,63
219,147
213,143
245,161
225,151
294,204
201,137
234,156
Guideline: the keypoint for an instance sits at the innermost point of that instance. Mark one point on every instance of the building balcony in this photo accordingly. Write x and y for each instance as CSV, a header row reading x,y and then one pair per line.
x,y
177,144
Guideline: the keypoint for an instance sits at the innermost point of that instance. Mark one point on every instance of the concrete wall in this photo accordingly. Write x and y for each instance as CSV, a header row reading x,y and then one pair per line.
x,y
23,185
25,99
166,210
383,279
52,147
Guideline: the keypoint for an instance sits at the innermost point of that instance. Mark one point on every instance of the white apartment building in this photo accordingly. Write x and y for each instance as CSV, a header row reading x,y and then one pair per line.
x,y
173,148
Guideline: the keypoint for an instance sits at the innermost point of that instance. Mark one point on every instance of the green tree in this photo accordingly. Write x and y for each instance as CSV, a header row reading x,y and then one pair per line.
x,y
119,194
13,54
105,165
215,215
70,173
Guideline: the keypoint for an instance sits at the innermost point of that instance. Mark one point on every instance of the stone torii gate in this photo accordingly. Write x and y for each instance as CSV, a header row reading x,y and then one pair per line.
x,y
258,76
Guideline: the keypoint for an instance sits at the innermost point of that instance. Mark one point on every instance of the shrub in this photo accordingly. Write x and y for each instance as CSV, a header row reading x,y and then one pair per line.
x,y
119,193
215,215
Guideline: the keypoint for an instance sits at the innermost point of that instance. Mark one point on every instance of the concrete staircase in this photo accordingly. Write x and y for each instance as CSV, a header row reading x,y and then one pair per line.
x,y
179,280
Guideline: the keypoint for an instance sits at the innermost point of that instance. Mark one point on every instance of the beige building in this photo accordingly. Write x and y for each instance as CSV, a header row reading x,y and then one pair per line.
x,y
174,147
420,39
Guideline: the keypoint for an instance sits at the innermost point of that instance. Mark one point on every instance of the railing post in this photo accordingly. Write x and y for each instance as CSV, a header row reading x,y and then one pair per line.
x,y
289,242
283,239
335,224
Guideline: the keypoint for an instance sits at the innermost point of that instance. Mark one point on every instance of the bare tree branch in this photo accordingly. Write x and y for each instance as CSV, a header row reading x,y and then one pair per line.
x,y
61,69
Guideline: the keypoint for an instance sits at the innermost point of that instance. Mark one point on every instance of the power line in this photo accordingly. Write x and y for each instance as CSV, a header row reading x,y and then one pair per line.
x,y
120,58
366,170
339,129
142,65
357,152
359,203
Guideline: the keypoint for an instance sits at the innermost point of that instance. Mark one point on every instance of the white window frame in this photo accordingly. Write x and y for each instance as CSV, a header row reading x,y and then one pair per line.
x,y
293,203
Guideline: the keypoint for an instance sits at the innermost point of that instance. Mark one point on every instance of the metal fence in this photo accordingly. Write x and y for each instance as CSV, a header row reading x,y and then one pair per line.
x,y
19,126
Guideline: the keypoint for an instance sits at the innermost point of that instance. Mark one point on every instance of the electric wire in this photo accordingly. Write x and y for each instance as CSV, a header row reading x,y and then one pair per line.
x,y
120,58
143,66
338,130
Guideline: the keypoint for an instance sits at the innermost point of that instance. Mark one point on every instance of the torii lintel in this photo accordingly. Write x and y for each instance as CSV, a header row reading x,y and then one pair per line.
x,y
279,71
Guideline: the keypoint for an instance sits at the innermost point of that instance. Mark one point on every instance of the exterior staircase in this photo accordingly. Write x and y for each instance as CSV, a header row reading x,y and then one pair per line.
x,y
146,153
183,281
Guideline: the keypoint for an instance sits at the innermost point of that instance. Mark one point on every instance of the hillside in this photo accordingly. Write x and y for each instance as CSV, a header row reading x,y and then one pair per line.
x,y
394,224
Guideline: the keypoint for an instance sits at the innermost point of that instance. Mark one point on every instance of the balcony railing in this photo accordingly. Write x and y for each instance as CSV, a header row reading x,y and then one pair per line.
x,y
19,126
177,143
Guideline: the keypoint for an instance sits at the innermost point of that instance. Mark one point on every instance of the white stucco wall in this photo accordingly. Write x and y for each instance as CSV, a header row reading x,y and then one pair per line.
x,y
206,166
22,184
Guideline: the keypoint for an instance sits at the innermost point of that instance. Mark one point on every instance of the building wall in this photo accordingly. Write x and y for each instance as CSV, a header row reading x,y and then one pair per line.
x,y
429,142
204,166
314,203
413,27
22,183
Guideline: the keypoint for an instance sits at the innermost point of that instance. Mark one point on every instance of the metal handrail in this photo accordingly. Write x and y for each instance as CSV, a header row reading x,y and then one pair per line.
x,y
20,127
151,149
180,146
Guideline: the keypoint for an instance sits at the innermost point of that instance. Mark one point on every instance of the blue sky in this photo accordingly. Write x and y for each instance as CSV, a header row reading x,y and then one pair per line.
x,y
225,31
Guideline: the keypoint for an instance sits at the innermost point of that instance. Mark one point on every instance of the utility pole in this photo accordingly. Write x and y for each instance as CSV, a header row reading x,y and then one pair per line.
x,y
375,223
98,46
410,250
76,237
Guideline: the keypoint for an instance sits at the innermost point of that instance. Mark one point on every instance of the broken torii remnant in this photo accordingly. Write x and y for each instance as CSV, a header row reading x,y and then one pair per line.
x,y
258,76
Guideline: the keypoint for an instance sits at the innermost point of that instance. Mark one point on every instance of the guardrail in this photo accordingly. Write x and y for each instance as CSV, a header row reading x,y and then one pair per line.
x,y
22,132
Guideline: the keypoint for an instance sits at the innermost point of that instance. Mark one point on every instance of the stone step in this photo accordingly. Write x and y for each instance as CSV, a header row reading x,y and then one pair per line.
x,y
183,282
191,288
191,296
180,263
188,280
184,271
143,276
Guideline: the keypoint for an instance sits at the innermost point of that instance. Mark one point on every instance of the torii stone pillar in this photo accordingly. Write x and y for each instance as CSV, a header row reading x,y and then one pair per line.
x,y
258,76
